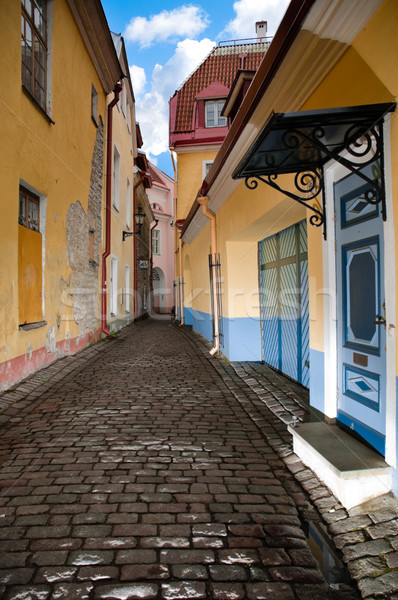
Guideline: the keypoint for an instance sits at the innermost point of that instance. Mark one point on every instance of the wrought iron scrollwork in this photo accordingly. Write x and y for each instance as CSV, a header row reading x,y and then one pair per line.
x,y
309,185
361,146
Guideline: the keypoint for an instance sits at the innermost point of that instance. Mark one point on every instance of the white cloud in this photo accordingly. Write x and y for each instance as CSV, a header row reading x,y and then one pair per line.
x,y
248,12
152,108
138,78
185,21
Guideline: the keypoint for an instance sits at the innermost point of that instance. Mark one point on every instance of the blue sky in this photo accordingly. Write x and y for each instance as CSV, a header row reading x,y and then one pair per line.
x,y
166,41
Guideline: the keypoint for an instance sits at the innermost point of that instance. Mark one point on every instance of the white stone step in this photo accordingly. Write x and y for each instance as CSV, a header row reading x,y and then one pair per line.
x,y
354,472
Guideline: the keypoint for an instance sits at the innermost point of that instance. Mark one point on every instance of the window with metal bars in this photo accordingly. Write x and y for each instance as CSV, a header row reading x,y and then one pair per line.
x,y
215,276
29,210
34,49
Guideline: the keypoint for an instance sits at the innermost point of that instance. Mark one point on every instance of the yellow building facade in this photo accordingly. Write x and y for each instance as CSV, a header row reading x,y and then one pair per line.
x,y
302,197
56,73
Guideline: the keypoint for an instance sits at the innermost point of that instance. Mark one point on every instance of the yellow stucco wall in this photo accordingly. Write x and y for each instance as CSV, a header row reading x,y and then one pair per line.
x,y
53,158
189,178
246,218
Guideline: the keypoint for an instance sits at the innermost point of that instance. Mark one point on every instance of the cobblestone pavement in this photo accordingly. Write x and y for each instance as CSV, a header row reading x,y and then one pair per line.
x,y
145,468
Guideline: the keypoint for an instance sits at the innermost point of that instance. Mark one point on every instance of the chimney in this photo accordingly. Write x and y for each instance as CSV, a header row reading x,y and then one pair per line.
x,y
261,29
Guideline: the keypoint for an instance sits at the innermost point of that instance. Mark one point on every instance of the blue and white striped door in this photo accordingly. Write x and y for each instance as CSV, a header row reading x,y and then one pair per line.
x,y
283,279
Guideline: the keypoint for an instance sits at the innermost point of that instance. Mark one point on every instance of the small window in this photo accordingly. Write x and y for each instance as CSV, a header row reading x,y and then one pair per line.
x,y
34,49
213,116
94,104
156,242
206,166
29,210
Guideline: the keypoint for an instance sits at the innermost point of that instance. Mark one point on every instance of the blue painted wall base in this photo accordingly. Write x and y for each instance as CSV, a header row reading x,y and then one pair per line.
x,y
317,380
242,336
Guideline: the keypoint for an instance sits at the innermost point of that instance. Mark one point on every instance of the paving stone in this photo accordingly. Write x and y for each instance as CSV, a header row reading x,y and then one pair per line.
x,y
266,591
295,574
90,557
383,529
372,548
184,590
189,572
33,592
227,591
55,574
47,558
379,586
72,591
144,572
366,567
227,573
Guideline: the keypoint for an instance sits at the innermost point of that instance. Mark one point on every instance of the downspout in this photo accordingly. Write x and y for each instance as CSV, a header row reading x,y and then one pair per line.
x,y
151,247
173,216
108,212
203,200
142,177
181,283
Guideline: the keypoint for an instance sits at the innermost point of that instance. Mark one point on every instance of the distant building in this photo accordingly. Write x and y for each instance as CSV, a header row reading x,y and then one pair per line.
x,y
197,129
161,196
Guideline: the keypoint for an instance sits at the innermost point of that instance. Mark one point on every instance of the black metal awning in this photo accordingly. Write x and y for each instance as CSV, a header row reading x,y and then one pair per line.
x,y
302,142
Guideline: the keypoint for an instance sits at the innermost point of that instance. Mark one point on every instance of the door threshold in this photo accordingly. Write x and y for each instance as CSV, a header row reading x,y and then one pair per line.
x,y
354,472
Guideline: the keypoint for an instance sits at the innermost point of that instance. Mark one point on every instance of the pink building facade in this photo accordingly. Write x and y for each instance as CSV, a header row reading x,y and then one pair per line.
x,y
161,201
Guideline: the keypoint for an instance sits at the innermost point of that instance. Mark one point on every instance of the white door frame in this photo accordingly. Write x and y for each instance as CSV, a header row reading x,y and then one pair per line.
x,y
333,172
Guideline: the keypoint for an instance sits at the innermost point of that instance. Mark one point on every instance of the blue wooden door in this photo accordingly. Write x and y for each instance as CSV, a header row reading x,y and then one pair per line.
x,y
283,274
361,336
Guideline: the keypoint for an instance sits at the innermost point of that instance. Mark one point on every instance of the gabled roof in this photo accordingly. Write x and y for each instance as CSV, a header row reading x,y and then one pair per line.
x,y
221,65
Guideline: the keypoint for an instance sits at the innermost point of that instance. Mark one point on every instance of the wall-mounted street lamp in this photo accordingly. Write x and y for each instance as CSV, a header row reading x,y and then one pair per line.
x,y
139,219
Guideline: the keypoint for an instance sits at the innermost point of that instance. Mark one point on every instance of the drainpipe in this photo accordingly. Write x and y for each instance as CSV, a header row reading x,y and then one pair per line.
x,y
142,177
203,200
151,247
173,215
108,205
181,283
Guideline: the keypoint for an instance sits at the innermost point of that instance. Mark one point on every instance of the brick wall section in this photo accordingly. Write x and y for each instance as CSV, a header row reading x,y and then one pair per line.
x,y
85,286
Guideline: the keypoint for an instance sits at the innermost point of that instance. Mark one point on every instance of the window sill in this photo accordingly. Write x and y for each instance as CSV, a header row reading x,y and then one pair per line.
x,y
29,326
35,102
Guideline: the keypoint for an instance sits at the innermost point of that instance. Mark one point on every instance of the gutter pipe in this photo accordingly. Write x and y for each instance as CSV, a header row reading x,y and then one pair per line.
x,y
173,216
203,200
108,212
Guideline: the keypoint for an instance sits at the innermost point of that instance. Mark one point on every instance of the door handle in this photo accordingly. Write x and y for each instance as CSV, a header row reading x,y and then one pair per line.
x,y
381,319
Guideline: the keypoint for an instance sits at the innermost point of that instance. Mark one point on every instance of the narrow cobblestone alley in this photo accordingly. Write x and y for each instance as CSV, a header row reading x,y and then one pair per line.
x,y
140,471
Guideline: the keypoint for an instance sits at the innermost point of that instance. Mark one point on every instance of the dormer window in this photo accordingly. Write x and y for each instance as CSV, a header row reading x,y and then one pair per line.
x,y
213,116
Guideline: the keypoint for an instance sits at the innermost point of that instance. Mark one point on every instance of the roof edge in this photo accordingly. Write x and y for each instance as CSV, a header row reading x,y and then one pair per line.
x,y
287,31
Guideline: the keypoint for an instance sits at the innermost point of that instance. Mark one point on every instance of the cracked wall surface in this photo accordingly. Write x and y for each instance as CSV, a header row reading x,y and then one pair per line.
x,y
85,286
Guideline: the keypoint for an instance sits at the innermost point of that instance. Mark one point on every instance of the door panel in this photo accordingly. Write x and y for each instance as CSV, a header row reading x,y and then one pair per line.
x,y
284,301
360,308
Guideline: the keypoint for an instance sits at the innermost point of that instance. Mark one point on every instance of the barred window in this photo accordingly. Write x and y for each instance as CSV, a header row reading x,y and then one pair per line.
x,y
29,210
34,49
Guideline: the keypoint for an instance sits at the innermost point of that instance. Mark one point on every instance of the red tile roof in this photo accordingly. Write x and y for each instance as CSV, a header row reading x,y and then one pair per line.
x,y
221,65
